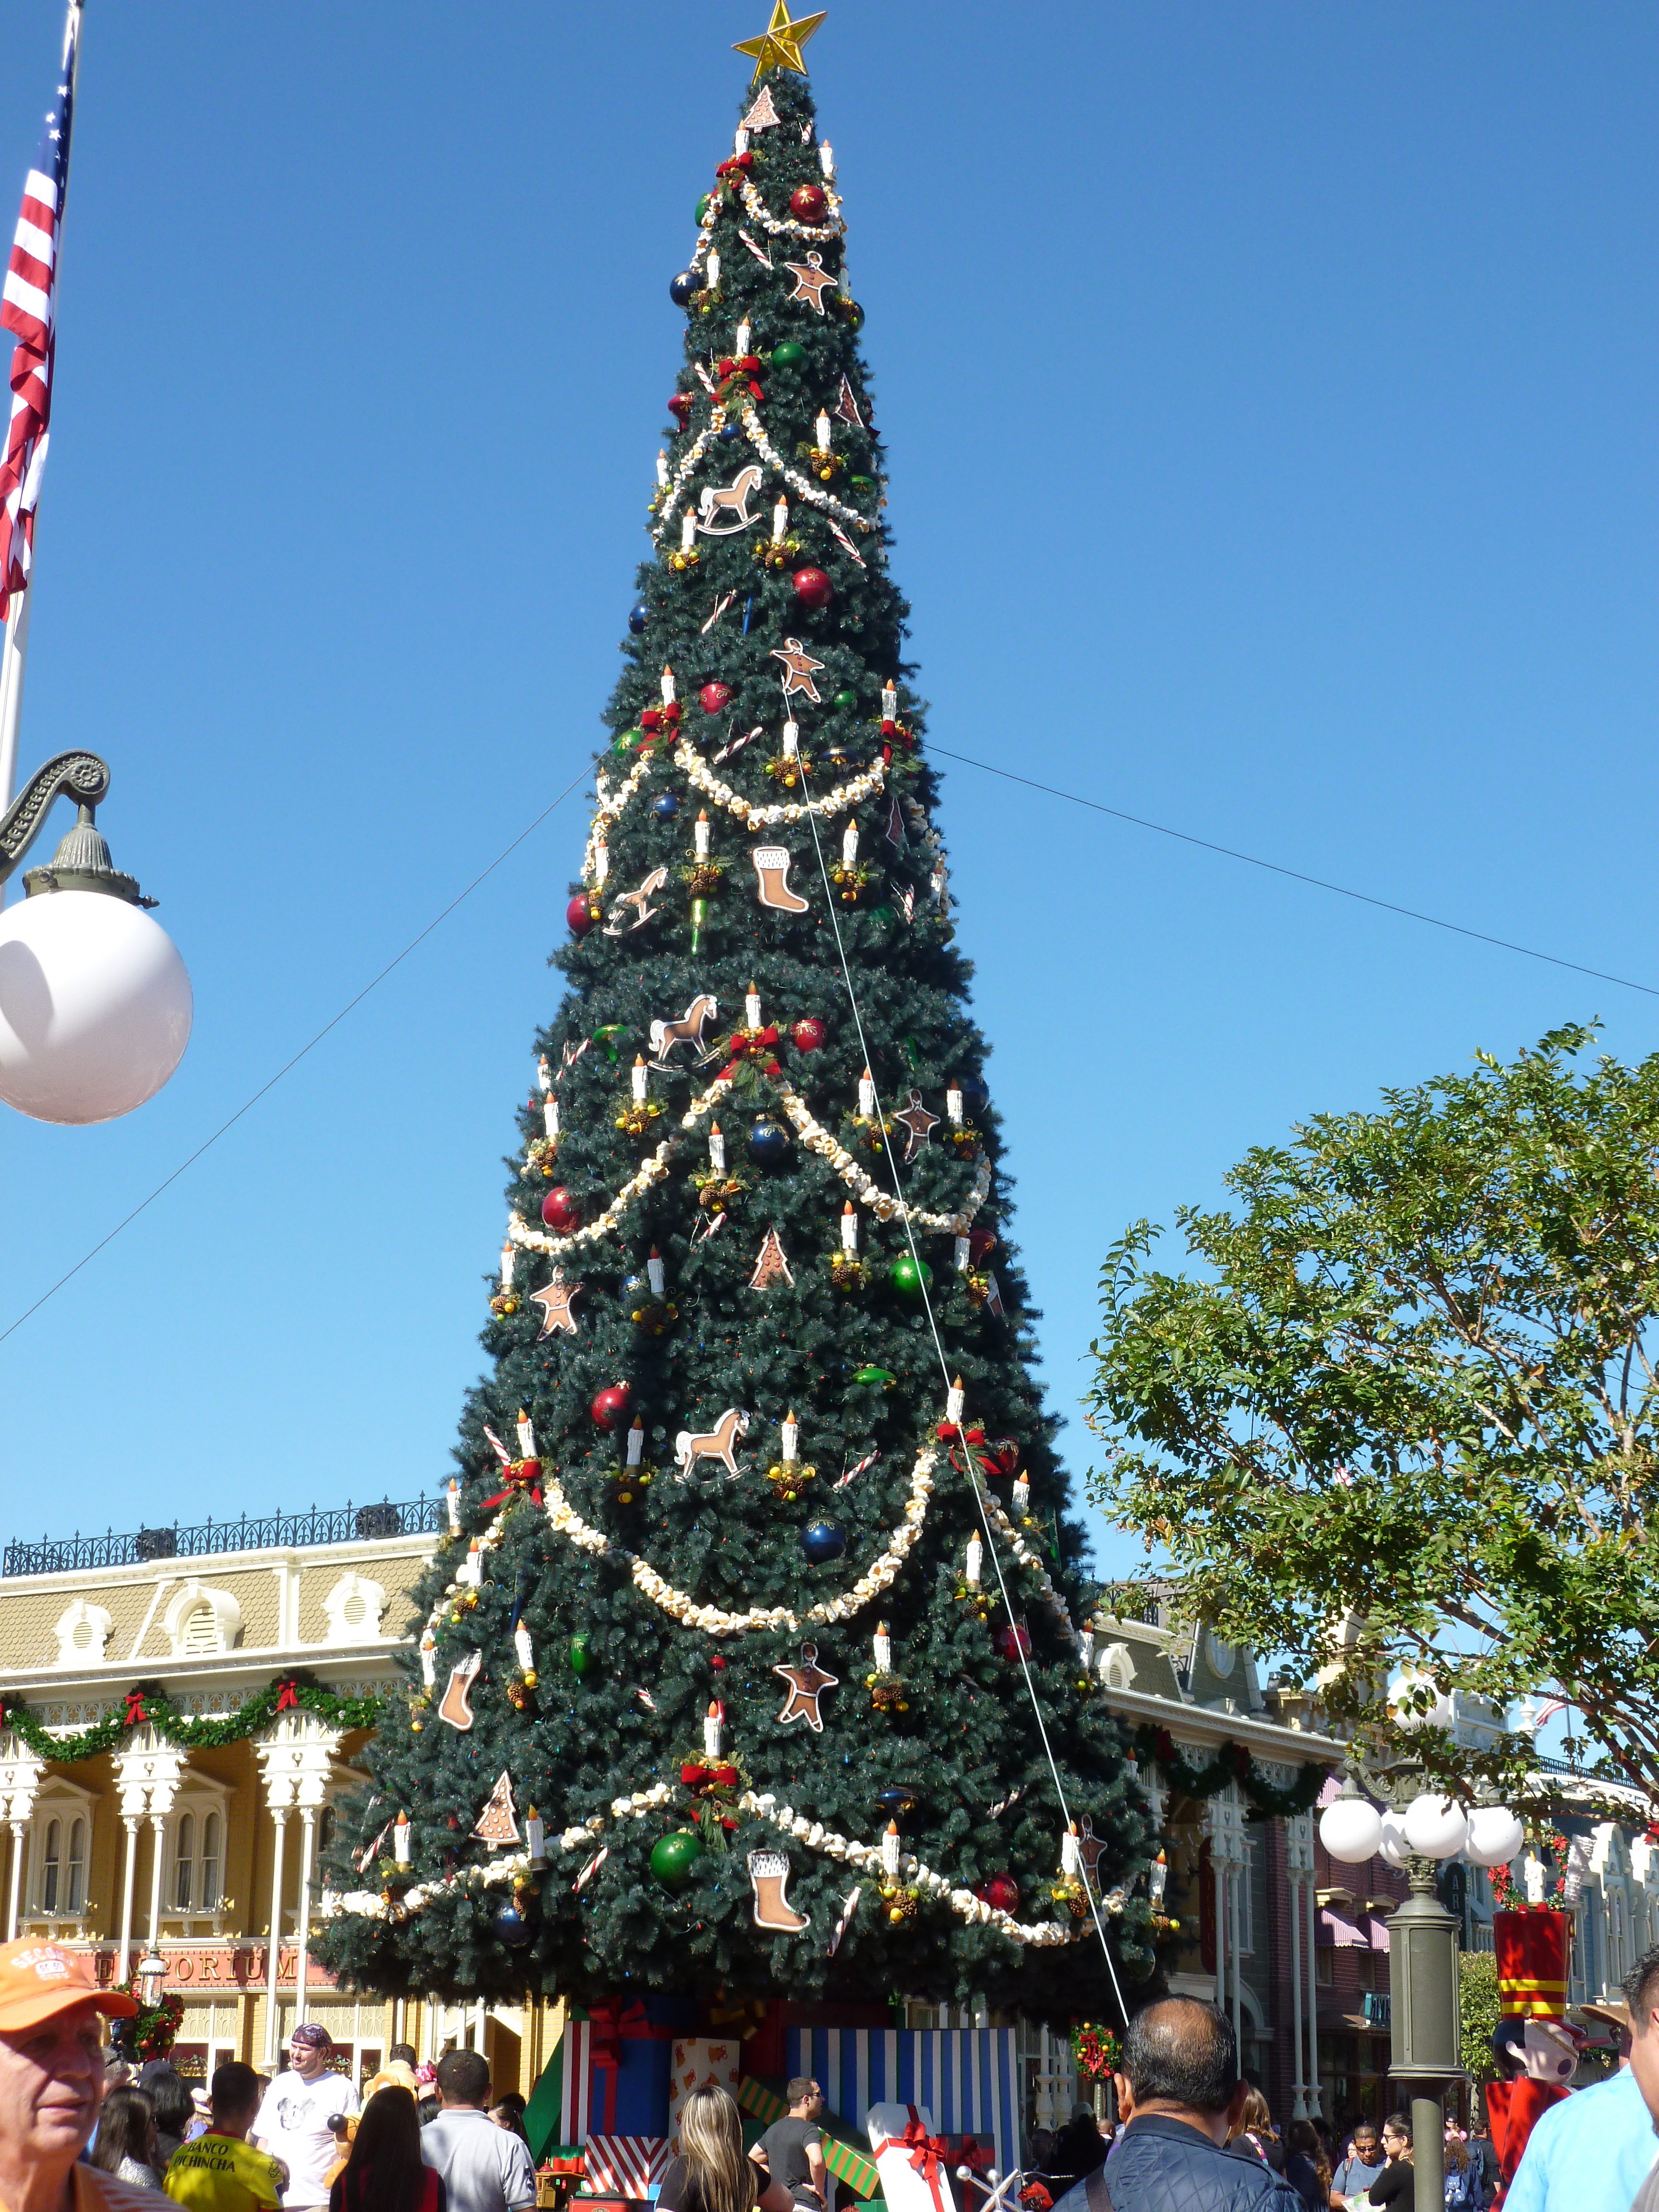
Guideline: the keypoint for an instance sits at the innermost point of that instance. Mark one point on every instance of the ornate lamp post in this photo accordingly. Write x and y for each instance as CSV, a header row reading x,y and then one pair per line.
x,y
152,1972
1417,1830
96,1006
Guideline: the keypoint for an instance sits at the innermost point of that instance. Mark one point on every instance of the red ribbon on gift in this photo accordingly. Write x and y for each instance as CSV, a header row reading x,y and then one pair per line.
x,y
287,1700
926,2152
135,1715
976,2155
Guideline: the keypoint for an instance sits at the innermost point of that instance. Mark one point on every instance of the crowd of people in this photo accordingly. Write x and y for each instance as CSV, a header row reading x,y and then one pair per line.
x,y
81,2132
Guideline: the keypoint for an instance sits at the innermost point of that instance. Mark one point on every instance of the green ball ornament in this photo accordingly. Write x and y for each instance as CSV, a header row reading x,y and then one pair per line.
x,y
703,206
846,701
581,1658
910,1277
786,355
674,1857
882,917
625,741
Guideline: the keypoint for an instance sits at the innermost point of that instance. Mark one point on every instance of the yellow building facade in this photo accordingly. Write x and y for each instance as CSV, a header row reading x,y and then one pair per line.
x,y
208,1857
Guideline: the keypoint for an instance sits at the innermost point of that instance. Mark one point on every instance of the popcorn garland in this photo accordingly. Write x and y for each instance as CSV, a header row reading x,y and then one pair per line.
x,y
787,226
1029,1560
688,461
679,1606
610,807
812,1134
754,816
803,487
1045,1934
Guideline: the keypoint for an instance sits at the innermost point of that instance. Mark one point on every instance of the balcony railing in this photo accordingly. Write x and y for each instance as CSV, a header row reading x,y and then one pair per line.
x,y
344,1524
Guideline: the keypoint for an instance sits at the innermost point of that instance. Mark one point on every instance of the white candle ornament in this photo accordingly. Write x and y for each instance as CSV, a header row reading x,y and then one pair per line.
x,y
506,1266
668,686
551,1118
524,1649
961,1256
639,1075
527,1435
866,1094
453,1497
849,845
827,158
953,1105
954,1400
716,1148
1021,1493
635,1441
752,1007
656,1274
821,431
543,1073
849,1227
662,468
688,533
713,266
790,1437
976,1561
1071,1853
1085,1647
890,702
472,1568
791,739
534,1836
711,1733
700,836
401,1844
889,1851
601,861
780,522
740,143
740,345
430,1660
882,1645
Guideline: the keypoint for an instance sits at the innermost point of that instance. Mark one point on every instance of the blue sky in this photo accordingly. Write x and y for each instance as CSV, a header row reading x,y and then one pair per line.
x,y
1270,401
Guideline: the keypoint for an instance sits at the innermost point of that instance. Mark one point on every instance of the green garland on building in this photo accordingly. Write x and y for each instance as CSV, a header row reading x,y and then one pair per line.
x,y
1232,1762
146,1706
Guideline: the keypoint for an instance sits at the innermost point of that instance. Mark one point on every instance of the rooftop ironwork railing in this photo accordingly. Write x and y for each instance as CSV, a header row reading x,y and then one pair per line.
x,y
344,1524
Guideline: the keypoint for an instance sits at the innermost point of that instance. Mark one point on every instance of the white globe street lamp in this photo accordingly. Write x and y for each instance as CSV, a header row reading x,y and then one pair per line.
x,y
95,1005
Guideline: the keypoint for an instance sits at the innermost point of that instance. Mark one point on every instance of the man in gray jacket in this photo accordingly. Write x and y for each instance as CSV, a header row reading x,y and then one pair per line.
x,y
1180,2093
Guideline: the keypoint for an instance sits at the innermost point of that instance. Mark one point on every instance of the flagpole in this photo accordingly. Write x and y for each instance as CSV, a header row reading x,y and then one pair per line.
x,y
14,653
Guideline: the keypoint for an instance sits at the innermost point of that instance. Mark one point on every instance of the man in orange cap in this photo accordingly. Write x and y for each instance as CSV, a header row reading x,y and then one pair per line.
x,y
51,2082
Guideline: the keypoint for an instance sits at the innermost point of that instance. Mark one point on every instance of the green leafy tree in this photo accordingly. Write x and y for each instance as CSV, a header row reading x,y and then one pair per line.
x,y
1404,1411
709,1266
1477,1971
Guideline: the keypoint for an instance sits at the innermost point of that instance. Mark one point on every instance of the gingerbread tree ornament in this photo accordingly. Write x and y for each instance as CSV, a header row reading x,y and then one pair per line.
x,y
758,1182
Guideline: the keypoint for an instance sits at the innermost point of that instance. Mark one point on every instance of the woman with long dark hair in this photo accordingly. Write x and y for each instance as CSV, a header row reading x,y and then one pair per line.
x,y
712,2174
126,2144
385,2171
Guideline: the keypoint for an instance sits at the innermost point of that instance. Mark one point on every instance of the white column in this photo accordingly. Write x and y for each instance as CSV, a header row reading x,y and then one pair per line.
x,y
1234,1877
1219,1865
1314,2112
273,2041
1293,1890
18,1832
129,1870
158,1833
302,1938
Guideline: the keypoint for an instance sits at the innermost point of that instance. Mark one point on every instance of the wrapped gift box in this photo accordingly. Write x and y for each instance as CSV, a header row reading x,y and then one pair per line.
x,y
913,2161
702,2061
625,2166
967,2077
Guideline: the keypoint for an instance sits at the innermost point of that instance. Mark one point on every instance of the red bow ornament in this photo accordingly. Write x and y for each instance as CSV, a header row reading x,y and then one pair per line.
x,y
287,1700
926,2153
135,1715
518,1474
975,2156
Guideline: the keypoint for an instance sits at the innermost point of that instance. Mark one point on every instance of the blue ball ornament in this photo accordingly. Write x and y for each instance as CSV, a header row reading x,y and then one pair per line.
x,y
822,1541
729,435
666,805
973,1092
512,1928
683,286
636,615
635,1292
769,1140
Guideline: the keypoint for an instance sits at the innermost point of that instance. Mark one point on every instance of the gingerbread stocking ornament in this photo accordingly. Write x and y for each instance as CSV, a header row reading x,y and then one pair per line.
x,y
769,1877
772,866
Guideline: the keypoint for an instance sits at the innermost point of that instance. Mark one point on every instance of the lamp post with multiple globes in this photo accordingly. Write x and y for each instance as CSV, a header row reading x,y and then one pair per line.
x,y
95,1005
1385,1811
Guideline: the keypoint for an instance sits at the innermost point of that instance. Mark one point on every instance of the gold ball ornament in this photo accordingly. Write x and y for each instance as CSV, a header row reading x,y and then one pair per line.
x,y
530,1678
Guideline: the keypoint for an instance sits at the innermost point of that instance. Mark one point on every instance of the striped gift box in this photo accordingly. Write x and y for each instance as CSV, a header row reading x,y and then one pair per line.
x,y
846,2163
624,2165
968,2077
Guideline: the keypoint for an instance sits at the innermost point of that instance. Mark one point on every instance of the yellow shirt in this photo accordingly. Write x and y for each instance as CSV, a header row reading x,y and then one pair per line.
x,y
217,2173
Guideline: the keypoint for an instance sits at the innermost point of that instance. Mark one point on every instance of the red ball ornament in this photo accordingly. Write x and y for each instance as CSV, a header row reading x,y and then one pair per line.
x,y
1001,1893
1014,1641
813,588
580,914
808,203
809,1033
680,407
561,1211
610,1407
713,696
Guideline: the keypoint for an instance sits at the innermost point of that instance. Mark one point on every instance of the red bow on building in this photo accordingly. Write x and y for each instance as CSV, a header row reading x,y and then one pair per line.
x,y
926,2152
286,1698
135,1715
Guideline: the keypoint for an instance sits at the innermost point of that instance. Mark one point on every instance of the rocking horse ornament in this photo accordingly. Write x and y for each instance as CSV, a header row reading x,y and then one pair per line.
x,y
718,1442
729,499
664,1035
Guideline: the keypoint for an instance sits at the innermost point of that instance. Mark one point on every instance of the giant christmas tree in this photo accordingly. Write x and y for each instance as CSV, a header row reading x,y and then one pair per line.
x,y
764,1617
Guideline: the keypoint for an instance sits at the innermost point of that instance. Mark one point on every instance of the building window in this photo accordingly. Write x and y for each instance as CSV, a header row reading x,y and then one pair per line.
x,y
210,1863
184,1863
201,1632
51,1866
75,1896
1324,1966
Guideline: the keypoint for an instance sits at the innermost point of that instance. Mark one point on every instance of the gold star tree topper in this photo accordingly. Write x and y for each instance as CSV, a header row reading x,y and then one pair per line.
x,y
779,45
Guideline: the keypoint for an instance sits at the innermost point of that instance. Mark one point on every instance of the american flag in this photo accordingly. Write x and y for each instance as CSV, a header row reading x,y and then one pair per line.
x,y
28,309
